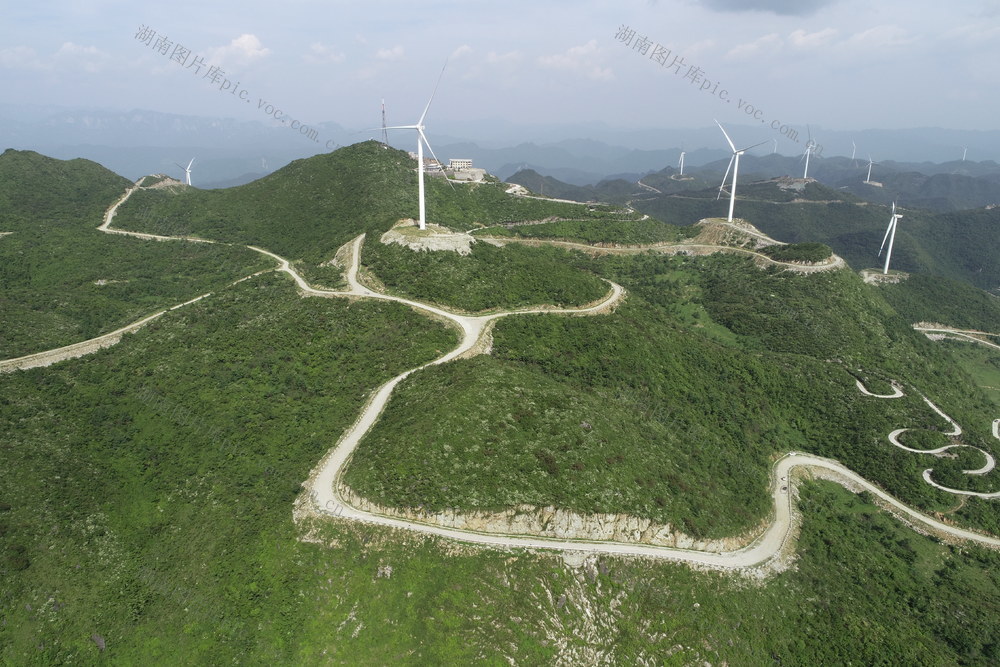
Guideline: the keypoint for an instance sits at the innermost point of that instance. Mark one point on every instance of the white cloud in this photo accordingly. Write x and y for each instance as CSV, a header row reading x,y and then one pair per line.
x,y
811,40
881,37
321,54
20,57
495,58
705,46
974,34
242,50
69,57
463,50
72,56
786,7
766,45
395,53
584,60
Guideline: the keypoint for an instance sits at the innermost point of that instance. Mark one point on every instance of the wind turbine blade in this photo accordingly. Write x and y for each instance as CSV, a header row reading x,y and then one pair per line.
x,y
892,224
723,184
391,127
428,144
421,121
726,134
190,163
888,254
743,150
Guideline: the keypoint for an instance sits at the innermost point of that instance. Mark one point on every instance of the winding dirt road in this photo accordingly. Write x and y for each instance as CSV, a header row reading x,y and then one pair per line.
x,y
83,348
961,334
956,430
832,263
324,484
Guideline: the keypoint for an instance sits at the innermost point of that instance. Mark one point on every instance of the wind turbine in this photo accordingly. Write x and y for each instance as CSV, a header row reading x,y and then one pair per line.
x,y
965,151
421,140
734,162
809,148
870,163
187,171
775,148
890,233
681,163
385,134
854,151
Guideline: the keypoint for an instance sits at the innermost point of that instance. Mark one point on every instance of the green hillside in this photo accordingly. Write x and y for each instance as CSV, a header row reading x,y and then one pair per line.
x,y
305,210
548,186
926,298
713,365
62,281
147,500
310,208
488,279
624,231
956,245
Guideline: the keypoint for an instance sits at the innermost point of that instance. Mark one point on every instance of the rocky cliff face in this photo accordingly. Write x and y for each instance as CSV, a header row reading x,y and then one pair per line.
x,y
558,523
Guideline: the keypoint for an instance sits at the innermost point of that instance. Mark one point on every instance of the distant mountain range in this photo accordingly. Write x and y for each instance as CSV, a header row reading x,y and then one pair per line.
x,y
228,151
948,186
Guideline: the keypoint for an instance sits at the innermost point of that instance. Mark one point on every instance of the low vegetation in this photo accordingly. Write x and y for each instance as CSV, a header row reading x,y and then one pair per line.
x,y
62,281
809,253
149,486
146,500
619,232
488,279
768,351
927,298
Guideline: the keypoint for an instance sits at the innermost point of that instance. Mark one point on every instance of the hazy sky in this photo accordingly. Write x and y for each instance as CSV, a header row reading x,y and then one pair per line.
x,y
842,64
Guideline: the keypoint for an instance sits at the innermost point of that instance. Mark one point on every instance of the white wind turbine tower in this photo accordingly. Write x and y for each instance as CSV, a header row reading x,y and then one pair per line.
x,y
870,163
734,162
774,149
854,152
809,148
385,135
890,233
965,151
187,171
421,140
681,163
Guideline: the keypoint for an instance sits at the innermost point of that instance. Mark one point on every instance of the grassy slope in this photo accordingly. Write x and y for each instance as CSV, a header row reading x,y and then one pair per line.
x,y
710,368
626,232
489,278
482,204
303,212
956,245
363,188
150,486
925,298
50,265
310,208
